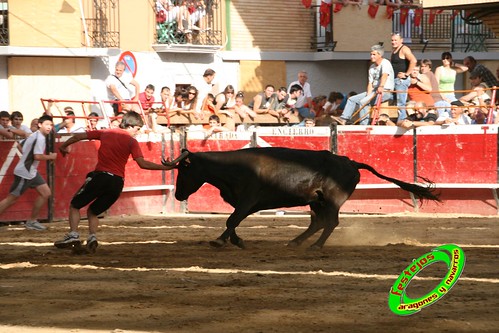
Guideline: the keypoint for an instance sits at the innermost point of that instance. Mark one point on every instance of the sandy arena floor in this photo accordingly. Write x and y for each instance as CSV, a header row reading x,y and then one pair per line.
x,y
158,274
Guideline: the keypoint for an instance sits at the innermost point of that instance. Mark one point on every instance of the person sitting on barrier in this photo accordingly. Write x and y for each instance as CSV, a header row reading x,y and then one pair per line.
x,y
422,117
278,102
420,87
457,116
19,130
104,185
380,81
5,132
215,126
260,104
478,95
27,176
440,104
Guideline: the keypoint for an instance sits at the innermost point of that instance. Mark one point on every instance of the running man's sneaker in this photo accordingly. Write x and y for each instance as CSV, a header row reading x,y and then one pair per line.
x,y
92,243
71,239
35,225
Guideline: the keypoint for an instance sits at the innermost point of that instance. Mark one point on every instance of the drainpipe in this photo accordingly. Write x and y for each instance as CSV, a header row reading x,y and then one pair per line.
x,y
228,46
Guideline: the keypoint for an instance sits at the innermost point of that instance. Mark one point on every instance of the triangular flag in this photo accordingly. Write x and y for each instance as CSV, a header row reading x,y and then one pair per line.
x,y
325,14
418,15
403,15
307,3
373,10
337,7
433,14
389,12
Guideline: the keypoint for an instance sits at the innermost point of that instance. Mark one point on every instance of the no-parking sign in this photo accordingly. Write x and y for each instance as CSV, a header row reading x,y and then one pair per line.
x,y
130,62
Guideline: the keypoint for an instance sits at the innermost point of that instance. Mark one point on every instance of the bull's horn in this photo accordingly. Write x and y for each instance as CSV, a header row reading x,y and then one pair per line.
x,y
175,161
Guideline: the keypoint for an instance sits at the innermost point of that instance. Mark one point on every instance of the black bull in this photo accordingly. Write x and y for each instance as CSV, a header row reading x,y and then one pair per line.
x,y
255,179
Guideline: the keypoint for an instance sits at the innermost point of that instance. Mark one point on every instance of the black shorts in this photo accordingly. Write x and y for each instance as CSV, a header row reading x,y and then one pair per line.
x,y
101,189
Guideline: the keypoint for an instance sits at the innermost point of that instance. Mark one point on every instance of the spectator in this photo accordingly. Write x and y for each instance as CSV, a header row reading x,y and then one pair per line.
x,y
309,122
5,132
209,105
189,104
446,77
214,126
403,62
318,103
119,88
207,86
166,99
304,102
103,186
26,174
19,130
478,95
146,98
422,117
224,103
380,81
420,88
261,102
178,99
334,101
242,110
457,116
476,68
34,125
440,105
153,123
92,120
285,107
69,124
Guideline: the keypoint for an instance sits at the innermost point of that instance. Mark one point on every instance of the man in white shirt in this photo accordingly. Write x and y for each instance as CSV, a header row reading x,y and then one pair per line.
x,y
119,88
304,101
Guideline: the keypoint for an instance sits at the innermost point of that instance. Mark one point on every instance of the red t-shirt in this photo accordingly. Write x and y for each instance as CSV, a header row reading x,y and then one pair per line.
x,y
115,148
144,102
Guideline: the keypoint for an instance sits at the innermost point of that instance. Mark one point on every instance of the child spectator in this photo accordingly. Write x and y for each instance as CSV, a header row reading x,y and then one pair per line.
x,y
19,130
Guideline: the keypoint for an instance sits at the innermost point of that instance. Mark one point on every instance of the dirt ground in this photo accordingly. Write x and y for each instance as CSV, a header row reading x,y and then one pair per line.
x,y
159,274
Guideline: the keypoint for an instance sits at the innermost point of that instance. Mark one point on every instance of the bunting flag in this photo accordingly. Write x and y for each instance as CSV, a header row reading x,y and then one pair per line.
x,y
325,14
307,3
373,10
389,12
403,15
418,15
433,14
337,7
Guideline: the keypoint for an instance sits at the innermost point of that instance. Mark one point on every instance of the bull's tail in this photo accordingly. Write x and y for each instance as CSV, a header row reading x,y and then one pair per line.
x,y
421,192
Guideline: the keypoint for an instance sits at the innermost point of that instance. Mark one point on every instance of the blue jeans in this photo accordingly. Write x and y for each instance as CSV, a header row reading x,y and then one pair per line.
x,y
305,112
402,85
357,101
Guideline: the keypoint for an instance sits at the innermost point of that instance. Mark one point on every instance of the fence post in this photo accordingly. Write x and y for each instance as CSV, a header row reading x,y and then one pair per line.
x,y
51,175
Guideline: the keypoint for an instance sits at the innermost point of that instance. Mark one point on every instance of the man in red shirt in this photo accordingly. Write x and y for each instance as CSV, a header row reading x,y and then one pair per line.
x,y
103,186
146,98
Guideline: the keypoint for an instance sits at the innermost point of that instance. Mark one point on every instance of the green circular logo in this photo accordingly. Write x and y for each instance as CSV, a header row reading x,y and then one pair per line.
x,y
452,255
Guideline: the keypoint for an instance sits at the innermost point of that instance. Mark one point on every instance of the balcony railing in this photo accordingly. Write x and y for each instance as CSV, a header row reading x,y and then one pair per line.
x,y
445,33
102,23
4,23
206,31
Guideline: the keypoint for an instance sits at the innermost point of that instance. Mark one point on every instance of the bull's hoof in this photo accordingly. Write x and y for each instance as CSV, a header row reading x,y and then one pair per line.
x,y
238,242
218,243
315,247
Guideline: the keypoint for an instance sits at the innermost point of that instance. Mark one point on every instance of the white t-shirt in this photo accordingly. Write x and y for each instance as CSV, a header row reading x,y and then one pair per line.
x,y
307,93
124,87
27,165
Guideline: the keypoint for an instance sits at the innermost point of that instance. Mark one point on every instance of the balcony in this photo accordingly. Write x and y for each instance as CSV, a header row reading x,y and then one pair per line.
x,y
176,34
445,33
